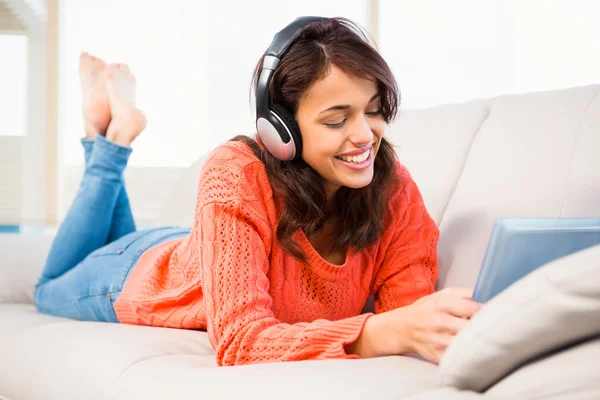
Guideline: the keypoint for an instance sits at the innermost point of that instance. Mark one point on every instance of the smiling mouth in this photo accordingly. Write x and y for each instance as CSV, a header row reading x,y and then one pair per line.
x,y
358,159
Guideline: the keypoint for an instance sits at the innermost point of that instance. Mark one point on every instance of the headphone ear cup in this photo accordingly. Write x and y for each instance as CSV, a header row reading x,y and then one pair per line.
x,y
291,124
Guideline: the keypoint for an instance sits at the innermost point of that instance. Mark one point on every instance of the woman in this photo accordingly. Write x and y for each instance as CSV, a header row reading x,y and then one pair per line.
x,y
282,255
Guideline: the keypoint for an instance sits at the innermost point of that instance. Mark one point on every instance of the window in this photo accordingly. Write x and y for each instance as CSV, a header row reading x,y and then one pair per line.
x,y
13,94
13,81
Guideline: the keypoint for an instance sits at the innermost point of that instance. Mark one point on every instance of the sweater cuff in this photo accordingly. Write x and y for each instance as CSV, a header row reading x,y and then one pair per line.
x,y
340,333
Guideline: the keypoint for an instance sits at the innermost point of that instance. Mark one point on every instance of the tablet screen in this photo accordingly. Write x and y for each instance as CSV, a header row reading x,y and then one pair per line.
x,y
518,246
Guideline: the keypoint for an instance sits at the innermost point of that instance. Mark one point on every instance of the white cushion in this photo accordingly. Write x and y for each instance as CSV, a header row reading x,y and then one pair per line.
x,y
22,258
433,144
554,306
571,373
179,207
582,190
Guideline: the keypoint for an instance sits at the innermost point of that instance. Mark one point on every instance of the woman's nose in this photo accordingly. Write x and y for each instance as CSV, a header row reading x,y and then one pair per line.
x,y
361,133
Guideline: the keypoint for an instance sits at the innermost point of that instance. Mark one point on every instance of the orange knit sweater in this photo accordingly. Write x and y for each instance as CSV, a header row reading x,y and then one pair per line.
x,y
258,304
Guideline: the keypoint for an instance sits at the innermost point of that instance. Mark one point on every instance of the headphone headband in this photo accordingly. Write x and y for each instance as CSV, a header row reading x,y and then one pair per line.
x,y
276,126
285,37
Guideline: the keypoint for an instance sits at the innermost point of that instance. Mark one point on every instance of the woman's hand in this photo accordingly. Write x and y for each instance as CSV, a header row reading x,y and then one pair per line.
x,y
425,327
432,322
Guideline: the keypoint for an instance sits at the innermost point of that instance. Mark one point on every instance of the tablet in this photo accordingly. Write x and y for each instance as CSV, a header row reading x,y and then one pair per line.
x,y
518,246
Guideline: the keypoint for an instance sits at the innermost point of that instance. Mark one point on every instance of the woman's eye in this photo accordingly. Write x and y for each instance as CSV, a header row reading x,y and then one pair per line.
x,y
374,113
335,126
340,124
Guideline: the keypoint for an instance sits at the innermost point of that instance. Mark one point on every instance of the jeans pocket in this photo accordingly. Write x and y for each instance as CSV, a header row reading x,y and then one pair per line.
x,y
119,246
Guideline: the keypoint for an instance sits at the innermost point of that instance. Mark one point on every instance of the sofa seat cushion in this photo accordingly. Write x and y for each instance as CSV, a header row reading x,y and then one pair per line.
x,y
180,376
46,358
53,358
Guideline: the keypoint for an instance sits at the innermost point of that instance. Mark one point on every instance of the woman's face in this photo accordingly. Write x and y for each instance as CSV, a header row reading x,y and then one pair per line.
x,y
342,126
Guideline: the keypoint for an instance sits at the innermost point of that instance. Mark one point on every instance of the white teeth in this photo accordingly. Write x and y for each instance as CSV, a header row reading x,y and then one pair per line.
x,y
356,159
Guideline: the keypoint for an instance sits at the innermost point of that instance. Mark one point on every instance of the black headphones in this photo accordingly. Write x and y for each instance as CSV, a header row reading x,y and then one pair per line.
x,y
275,125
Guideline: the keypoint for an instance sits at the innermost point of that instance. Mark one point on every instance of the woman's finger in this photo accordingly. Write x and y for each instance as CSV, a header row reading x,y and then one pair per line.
x,y
440,344
442,340
461,307
466,293
447,323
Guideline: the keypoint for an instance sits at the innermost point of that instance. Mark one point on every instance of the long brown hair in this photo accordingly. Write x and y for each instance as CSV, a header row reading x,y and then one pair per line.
x,y
363,211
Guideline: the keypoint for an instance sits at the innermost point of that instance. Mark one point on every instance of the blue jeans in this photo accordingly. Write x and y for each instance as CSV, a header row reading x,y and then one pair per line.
x,y
97,244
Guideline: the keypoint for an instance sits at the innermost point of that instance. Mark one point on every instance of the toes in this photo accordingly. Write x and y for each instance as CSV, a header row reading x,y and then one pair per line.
x,y
110,88
120,84
83,60
124,68
122,71
98,62
110,70
90,63
114,69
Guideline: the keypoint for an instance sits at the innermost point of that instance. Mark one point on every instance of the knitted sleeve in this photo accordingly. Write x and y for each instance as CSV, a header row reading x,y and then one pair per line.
x,y
409,269
233,247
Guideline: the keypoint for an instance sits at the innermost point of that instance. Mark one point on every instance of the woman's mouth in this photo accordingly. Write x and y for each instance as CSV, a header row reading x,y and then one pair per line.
x,y
361,161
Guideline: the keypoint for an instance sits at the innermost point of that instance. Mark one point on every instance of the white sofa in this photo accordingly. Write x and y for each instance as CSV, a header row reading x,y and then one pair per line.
x,y
526,155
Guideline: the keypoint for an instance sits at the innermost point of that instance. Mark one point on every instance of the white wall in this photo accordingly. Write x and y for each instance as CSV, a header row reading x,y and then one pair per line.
x,y
238,39
165,45
193,62
448,52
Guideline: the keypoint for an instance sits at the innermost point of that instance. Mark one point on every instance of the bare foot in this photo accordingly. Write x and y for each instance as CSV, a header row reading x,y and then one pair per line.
x,y
127,121
94,97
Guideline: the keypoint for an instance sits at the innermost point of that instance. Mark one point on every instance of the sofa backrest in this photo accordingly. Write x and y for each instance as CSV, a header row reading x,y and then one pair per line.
x,y
180,205
524,155
531,155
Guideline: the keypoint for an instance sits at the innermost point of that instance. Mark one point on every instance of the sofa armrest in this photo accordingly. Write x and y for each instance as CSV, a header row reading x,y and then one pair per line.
x,y
22,258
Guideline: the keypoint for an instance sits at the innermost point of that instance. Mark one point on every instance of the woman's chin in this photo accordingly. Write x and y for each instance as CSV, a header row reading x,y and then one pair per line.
x,y
358,182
